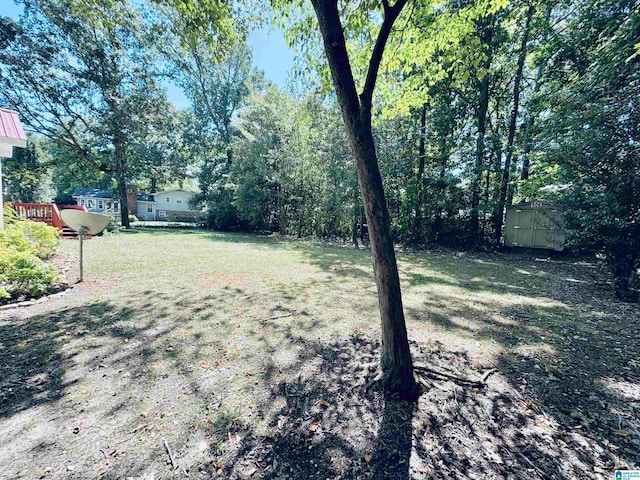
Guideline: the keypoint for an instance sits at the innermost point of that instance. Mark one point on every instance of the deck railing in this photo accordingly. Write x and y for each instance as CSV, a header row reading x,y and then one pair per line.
x,y
43,212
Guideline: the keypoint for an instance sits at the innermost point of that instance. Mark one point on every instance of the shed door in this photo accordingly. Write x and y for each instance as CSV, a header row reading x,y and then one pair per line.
x,y
523,227
542,235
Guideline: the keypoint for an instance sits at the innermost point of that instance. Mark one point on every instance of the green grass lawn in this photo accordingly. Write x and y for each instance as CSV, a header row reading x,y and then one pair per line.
x,y
249,355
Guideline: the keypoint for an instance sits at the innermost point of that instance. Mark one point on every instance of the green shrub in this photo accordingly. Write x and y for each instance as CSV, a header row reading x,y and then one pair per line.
x,y
34,237
23,247
9,214
114,224
14,239
22,273
43,240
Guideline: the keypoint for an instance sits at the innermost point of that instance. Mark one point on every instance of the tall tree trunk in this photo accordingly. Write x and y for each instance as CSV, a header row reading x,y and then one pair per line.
x,y
479,160
623,263
528,129
445,152
494,163
504,185
121,180
356,217
486,38
229,151
487,185
417,226
396,367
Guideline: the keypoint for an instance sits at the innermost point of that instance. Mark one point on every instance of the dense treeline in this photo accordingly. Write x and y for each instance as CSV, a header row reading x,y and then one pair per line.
x,y
480,108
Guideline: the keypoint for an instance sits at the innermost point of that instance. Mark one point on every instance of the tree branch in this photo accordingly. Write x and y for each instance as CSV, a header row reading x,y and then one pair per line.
x,y
390,15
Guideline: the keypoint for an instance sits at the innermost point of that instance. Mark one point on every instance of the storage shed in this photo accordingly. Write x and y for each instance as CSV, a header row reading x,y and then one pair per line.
x,y
534,225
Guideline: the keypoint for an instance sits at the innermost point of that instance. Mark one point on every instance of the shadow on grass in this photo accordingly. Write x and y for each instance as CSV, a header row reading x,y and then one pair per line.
x,y
31,351
31,366
321,421
569,346
572,352
120,347
326,425
559,358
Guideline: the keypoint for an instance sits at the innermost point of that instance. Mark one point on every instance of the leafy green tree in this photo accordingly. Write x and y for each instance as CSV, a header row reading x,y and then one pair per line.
x,y
218,89
86,82
590,136
24,174
69,170
257,169
166,155
396,365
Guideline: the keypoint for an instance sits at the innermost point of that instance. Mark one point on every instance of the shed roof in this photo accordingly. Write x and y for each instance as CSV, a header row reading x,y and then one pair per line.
x,y
533,205
11,130
92,193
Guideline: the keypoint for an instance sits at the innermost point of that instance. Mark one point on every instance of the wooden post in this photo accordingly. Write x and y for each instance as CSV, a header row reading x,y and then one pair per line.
x,y
81,233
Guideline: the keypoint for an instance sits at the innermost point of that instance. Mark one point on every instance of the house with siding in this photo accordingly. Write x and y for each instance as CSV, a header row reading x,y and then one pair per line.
x,y
168,206
96,200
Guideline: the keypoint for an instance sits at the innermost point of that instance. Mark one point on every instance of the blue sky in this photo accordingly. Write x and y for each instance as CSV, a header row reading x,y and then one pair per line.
x,y
270,54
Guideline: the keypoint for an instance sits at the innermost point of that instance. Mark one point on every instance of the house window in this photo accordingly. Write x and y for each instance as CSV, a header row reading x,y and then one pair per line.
x,y
100,204
91,204
178,200
115,206
162,214
149,208
82,201
167,199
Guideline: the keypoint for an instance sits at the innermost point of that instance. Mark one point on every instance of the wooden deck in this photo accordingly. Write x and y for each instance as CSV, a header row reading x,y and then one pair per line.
x,y
46,213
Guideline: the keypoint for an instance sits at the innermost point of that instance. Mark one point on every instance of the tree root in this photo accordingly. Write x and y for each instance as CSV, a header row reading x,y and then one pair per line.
x,y
439,375
373,381
421,371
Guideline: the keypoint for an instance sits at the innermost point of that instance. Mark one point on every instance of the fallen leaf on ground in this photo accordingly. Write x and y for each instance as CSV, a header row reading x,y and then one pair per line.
x,y
140,427
367,457
314,426
144,414
622,433
324,403
47,471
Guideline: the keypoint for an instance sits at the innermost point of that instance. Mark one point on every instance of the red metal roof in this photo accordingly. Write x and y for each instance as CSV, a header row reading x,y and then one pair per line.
x,y
11,128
